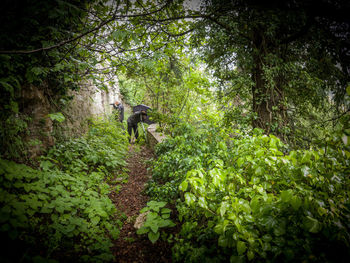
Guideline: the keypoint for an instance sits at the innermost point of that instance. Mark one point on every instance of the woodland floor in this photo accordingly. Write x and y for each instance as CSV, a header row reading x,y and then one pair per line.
x,y
131,247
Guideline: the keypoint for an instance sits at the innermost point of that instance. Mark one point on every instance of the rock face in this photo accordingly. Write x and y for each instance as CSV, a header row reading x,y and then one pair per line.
x,y
154,137
102,100
36,103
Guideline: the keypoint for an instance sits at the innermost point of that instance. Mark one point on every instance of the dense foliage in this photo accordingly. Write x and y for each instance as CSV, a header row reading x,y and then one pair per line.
x,y
29,26
57,46
62,210
212,72
276,61
249,197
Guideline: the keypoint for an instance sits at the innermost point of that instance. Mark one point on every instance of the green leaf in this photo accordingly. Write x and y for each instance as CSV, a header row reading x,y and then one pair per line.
x,y
223,241
269,221
7,87
286,195
259,171
142,230
306,157
154,227
255,204
114,233
37,70
312,224
95,220
221,227
165,211
70,228
155,206
241,247
183,185
250,255
151,217
58,116
190,198
202,203
280,229
153,237
240,161
259,153
224,206
119,35
12,106
166,223
295,202
46,165
145,209
237,259
273,142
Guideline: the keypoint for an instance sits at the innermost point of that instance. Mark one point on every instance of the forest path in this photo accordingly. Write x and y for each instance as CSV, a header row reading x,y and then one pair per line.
x,y
131,247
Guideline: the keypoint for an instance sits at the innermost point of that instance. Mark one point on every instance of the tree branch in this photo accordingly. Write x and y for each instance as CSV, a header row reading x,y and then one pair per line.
x,y
64,42
335,118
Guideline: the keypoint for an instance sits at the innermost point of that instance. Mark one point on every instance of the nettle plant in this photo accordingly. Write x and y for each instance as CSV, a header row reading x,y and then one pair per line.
x,y
158,216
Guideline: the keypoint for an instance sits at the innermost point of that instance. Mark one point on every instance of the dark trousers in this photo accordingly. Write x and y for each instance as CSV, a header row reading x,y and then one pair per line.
x,y
133,127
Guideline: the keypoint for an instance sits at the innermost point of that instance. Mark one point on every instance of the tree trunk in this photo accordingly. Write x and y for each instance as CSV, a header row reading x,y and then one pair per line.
x,y
267,100
262,107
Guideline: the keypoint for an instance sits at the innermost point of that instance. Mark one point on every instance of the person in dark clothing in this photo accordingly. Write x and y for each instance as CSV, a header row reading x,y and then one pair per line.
x,y
133,120
120,108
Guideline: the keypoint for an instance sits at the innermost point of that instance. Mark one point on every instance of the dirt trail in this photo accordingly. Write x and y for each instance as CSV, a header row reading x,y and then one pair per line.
x,y
131,247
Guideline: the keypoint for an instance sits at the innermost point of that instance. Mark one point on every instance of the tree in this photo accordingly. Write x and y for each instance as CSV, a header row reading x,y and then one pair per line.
x,y
172,84
285,53
56,45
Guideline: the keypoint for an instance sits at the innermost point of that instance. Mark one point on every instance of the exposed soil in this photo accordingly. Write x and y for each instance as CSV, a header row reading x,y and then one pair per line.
x,y
131,247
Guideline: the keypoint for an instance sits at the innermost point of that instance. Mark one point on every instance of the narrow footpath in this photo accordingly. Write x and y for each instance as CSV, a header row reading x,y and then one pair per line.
x,y
130,247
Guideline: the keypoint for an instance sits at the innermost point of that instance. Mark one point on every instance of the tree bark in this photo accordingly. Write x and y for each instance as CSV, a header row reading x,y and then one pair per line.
x,y
262,106
267,100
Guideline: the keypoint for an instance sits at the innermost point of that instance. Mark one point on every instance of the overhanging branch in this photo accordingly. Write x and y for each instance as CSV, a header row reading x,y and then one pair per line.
x,y
64,42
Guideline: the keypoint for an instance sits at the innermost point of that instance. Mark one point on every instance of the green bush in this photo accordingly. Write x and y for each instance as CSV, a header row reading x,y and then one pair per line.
x,y
62,211
190,150
246,197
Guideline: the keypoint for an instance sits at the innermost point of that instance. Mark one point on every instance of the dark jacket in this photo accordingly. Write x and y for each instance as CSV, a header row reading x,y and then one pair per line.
x,y
135,118
120,108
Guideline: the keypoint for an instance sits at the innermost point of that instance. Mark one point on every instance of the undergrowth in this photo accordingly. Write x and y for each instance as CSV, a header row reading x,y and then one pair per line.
x,y
247,197
61,211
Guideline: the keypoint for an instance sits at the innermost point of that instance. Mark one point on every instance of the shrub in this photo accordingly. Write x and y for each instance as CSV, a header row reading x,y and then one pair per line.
x,y
62,210
248,197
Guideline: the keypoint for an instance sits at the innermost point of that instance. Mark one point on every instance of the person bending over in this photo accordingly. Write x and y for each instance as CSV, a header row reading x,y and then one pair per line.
x,y
133,120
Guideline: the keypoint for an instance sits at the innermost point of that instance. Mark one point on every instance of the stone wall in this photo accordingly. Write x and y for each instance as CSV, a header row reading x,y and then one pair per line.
x,y
102,100
154,137
36,103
